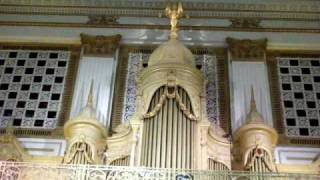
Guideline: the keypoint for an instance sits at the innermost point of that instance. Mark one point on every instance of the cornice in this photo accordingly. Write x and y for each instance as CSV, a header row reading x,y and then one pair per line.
x,y
159,27
308,10
229,5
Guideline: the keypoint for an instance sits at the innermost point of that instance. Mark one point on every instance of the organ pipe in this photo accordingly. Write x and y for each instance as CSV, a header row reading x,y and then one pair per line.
x,y
259,160
123,161
168,130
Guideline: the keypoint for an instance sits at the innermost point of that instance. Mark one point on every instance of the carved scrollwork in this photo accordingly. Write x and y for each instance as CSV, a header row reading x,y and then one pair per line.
x,y
245,23
10,149
100,45
123,128
246,48
102,20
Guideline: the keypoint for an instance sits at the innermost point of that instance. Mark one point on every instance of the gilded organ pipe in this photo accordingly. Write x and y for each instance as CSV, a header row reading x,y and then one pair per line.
x,y
168,139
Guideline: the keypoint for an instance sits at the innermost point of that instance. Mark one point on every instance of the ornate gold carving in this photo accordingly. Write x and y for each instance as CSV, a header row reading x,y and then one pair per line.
x,y
174,12
122,129
246,48
102,19
255,142
100,45
168,94
120,143
245,23
85,136
11,149
264,160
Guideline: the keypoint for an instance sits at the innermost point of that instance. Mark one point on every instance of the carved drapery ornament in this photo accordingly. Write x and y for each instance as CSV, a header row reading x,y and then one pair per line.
x,y
173,94
80,152
246,48
100,45
259,160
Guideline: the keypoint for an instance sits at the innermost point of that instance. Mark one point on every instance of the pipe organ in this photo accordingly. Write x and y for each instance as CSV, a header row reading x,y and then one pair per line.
x,y
216,166
123,161
169,107
258,160
168,130
85,136
256,142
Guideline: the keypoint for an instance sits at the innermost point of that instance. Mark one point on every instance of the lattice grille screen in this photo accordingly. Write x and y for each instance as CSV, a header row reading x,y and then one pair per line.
x,y
299,80
31,87
206,63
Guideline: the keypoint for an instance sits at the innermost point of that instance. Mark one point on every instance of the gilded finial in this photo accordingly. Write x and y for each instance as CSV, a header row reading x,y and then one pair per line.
x,y
174,11
90,96
253,101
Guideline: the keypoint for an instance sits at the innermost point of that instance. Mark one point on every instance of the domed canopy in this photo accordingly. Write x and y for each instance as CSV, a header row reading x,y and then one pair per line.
x,y
172,52
85,122
85,119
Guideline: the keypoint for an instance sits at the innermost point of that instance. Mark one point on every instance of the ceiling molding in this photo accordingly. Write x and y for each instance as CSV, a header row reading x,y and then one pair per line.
x,y
286,9
162,27
229,5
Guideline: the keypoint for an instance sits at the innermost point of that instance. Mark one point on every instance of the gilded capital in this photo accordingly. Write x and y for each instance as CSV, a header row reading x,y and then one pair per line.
x,y
247,48
100,45
245,23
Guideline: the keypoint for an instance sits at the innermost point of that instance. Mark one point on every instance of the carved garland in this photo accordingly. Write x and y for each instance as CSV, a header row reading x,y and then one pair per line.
x,y
169,95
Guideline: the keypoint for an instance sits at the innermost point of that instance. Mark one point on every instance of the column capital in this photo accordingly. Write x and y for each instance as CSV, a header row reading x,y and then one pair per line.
x,y
247,48
100,45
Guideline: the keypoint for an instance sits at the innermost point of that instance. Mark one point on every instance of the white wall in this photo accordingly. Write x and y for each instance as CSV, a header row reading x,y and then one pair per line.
x,y
43,147
295,155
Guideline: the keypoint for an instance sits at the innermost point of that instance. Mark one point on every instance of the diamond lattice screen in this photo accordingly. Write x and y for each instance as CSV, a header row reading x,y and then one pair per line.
x,y
31,87
299,80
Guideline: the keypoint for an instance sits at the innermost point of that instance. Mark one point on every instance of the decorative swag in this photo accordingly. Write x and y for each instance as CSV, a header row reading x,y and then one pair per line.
x,y
169,128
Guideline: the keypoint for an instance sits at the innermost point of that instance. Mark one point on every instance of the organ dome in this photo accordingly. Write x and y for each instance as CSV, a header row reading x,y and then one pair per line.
x,y
172,52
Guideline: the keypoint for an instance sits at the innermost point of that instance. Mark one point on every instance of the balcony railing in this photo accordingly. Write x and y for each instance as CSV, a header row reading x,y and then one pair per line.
x,y
33,171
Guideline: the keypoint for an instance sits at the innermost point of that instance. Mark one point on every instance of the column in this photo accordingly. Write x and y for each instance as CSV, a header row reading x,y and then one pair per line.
x,y
98,66
248,70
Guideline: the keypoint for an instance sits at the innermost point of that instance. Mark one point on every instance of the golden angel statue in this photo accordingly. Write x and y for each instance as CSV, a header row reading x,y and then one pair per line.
x,y
174,12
